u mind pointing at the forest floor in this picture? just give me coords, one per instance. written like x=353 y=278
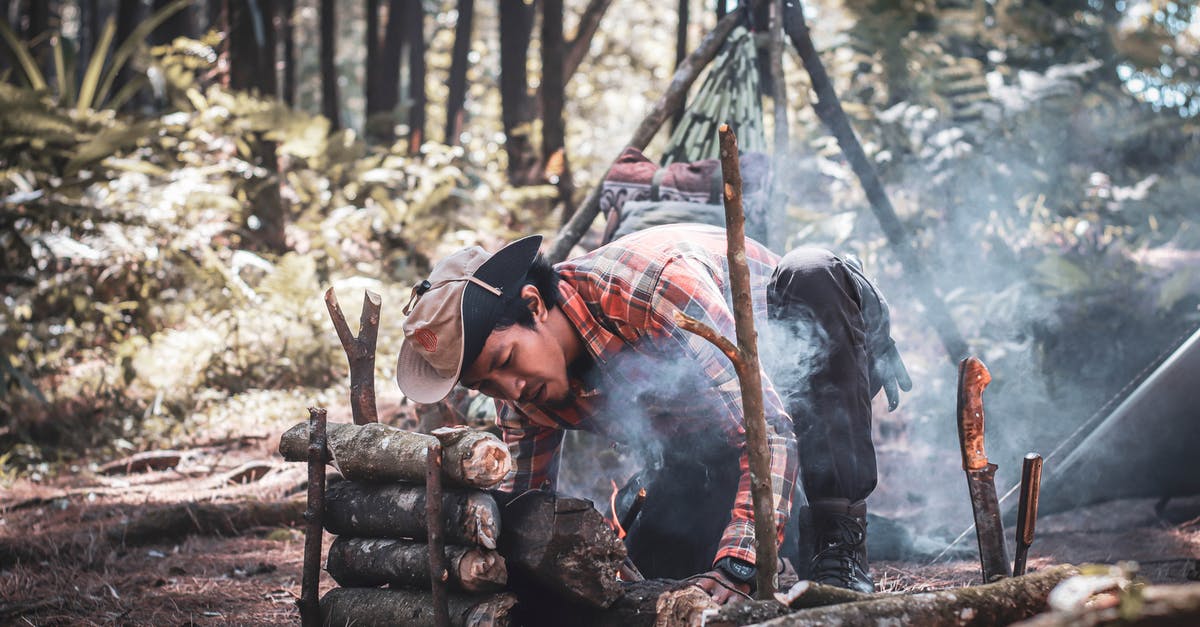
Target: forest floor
x=217 y=539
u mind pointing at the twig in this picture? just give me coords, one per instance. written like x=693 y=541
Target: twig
x=310 y=609
x=434 y=526
x=829 y=109
x=360 y=351
x=667 y=103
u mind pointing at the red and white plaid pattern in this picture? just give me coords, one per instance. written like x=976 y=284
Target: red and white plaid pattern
x=622 y=298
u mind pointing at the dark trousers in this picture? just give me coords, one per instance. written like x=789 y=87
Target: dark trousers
x=815 y=351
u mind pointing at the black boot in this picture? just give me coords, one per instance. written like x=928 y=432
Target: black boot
x=840 y=557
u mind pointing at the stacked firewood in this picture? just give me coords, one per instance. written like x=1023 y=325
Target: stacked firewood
x=378 y=511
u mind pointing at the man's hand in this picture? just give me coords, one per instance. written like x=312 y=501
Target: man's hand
x=720 y=588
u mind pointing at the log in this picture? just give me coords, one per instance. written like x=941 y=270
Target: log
x=166 y=523
x=1000 y=603
x=379 y=452
x=412 y=608
x=366 y=510
x=374 y=562
x=564 y=545
x=1177 y=604
x=803 y=595
x=142 y=462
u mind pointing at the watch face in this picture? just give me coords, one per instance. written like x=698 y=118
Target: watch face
x=745 y=571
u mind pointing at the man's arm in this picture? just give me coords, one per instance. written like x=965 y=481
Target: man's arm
x=689 y=287
x=535 y=451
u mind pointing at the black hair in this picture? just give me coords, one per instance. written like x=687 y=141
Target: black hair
x=515 y=310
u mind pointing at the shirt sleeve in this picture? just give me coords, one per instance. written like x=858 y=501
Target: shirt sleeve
x=535 y=451
x=688 y=286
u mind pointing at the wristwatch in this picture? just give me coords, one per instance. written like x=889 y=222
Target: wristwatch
x=737 y=570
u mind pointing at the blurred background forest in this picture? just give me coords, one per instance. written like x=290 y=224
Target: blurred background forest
x=180 y=181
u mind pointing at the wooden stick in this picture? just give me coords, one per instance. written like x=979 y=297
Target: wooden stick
x=434 y=524
x=673 y=98
x=360 y=351
x=309 y=602
x=778 y=204
x=829 y=109
x=745 y=362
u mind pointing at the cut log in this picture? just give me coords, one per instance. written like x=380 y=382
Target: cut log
x=806 y=594
x=1000 y=603
x=564 y=545
x=379 y=510
x=684 y=607
x=378 y=452
x=412 y=608
x=373 y=562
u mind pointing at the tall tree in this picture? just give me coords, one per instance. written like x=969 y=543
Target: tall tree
x=329 y=87
x=517 y=111
x=373 y=78
x=681 y=41
x=252 y=46
x=387 y=80
x=554 y=153
x=415 y=21
x=129 y=14
x=458 y=71
x=287 y=32
x=180 y=24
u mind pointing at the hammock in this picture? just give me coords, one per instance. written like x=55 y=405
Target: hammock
x=730 y=95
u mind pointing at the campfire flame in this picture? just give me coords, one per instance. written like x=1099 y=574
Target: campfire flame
x=615 y=522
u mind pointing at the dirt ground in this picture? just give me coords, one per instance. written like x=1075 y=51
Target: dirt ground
x=92 y=549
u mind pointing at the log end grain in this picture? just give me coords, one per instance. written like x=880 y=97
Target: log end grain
x=487 y=462
x=482 y=571
x=482 y=519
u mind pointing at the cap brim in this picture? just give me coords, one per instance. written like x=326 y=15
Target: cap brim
x=418 y=379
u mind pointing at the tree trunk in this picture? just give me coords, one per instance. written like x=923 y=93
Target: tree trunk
x=681 y=38
x=89 y=27
x=168 y=523
x=252 y=51
x=129 y=15
x=373 y=83
x=414 y=20
x=395 y=510
x=379 y=452
x=458 y=71
x=556 y=164
x=373 y=562
x=180 y=24
x=563 y=545
x=287 y=32
x=372 y=606
x=330 y=106
x=388 y=77
x=517 y=112
x=1001 y=603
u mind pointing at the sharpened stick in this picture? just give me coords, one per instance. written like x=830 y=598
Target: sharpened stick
x=1031 y=483
x=360 y=351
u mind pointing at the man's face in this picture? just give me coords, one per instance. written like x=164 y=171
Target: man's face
x=518 y=363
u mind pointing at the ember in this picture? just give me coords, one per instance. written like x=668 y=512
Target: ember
x=615 y=521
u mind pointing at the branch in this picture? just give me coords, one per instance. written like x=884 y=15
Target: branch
x=829 y=109
x=310 y=611
x=360 y=352
x=672 y=99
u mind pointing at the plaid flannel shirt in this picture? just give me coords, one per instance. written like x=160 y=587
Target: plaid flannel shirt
x=621 y=298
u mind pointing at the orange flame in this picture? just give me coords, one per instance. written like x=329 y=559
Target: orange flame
x=615 y=523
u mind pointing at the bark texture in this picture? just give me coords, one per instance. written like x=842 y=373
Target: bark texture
x=1000 y=603
x=366 y=510
x=374 y=562
x=381 y=453
x=564 y=545
x=1159 y=605
x=372 y=606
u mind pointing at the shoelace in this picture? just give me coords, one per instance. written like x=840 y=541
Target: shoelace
x=839 y=559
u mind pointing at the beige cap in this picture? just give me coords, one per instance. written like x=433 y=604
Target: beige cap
x=451 y=314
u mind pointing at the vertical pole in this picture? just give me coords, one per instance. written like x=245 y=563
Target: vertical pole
x=681 y=40
x=310 y=606
x=777 y=205
x=753 y=417
x=434 y=523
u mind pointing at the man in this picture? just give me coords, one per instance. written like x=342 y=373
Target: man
x=592 y=344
